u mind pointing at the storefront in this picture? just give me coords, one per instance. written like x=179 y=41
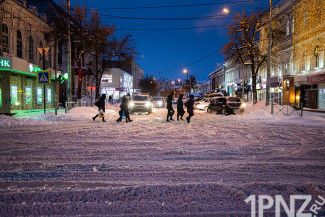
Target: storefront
x=317 y=82
x=276 y=90
x=19 y=89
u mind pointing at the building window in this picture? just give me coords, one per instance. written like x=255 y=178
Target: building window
x=49 y=95
x=41 y=46
x=14 y=95
x=31 y=48
x=293 y=25
x=5 y=38
x=286 y=68
x=39 y=95
x=28 y=93
x=49 y=56
x=317 y=61
x=19 y=45
x=288 y=27
x=303 y=65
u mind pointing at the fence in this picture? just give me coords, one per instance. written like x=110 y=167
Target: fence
x=287 y=109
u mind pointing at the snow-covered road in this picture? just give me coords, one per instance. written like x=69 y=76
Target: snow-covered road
x=207 y=167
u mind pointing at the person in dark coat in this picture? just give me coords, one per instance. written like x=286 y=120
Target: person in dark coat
x=171 y=111
x=190 y=108
x=125 y=108
x=100 y=103
x=110 y=98
x=180 y=109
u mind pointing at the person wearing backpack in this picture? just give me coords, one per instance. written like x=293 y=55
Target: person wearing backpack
x=100 y=103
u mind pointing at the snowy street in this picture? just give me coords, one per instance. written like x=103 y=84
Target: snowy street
x=74 y=166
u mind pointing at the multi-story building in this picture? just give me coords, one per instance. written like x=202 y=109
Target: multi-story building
x=309 y=54
x=217 y=79
x=116 y=83
x=204 y=87
x=23 y=31
x=131 y=67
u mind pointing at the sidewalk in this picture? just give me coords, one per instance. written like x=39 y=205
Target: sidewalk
x=25 y=113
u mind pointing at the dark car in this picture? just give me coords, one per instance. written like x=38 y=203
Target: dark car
x=226 y=105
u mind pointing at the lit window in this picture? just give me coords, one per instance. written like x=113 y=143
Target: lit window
x=288 y=27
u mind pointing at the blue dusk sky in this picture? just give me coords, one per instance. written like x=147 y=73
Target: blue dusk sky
x=167 y=46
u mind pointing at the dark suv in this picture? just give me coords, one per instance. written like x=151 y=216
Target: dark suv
x=226 y=105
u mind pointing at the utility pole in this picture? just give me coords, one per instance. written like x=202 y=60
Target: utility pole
x=267 y=100
x=44 y=86
x=69 y=57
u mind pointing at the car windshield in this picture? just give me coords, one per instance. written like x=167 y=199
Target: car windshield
x=234 y=99
x=157 y=99
x=140 y=98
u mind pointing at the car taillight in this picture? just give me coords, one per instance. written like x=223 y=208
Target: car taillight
x=227 y=103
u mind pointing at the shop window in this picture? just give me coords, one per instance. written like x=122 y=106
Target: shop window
x=5 y=38
x=31 y=48
x=39 y=95
x=49 y=95
x=28 y=94
x=14 y=95
x=19 y=45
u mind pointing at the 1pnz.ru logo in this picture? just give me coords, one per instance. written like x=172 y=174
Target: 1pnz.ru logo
x=266 y=202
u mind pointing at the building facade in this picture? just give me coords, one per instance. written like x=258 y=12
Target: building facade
x=217 y=79
x=23 y=31
x=116 y=83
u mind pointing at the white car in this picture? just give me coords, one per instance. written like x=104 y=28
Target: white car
x=202 y=104
x=141 y=103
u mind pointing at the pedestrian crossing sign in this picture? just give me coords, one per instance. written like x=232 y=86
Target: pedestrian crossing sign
x=44 y=77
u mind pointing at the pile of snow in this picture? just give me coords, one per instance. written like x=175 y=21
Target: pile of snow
x=8 y=121
x=259 y=112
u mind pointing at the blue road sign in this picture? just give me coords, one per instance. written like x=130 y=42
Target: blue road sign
x=44 y=77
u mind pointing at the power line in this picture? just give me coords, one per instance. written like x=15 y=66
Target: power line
x=177 y=28
x=176 y=6
x=166 y=18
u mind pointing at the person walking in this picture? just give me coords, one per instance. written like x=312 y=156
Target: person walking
x=125 y=108
x=110 y=98
x=100 y=103
x=171 y=111
x=180 y=109
x=190 y=108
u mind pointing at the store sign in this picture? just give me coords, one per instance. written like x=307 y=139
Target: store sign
x=34 y=68
x=5 y=63
x=316 y=79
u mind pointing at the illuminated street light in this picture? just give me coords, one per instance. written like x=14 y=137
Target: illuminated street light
x=226 y=10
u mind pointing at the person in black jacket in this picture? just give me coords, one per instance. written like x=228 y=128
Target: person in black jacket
x=190 y=108
x=125 y=107
x=180 y=109
x=100 y=103
x=171 y=111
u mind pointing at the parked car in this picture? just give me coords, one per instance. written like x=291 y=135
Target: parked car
x=226 y=105
x=158 y=102
x=202 y=104
x=141 y=103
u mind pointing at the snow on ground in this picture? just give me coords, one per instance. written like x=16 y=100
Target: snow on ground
x=70 y=165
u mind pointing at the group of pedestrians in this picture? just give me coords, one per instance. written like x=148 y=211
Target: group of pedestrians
x=180 y=107
x=124 y=108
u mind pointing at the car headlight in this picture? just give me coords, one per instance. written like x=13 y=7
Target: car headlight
x=243 y=105
x=147 y=104
x=160 y=103
x=131 y=104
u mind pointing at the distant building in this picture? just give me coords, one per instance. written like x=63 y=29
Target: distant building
x=131 y=67
x=217 y=79
x=116 y=83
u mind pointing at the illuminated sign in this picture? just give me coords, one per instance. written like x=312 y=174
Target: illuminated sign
x=34 y=68
x=5 y=63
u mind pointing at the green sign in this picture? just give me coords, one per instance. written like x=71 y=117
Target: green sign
x=34 y=68
x=28 y=95
x=5 y=63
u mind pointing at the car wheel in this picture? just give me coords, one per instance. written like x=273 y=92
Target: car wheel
x=223 y=111
x=205 y=108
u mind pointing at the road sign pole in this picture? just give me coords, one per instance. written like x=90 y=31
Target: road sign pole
x=44 y=84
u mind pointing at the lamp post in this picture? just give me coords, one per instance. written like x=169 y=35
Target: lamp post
x=185 y=71
x=173 y=82
x=267 y=92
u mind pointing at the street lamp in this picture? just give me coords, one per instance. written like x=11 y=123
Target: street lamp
x=173 y=82
x=185 y=71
